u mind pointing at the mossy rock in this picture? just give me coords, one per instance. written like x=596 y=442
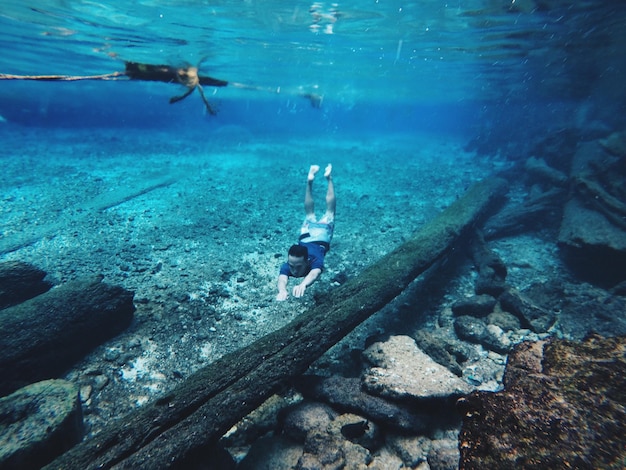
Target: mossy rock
x=38 y=423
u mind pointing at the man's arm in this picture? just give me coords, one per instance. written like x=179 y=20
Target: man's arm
x=298 y=291
x=282 y=287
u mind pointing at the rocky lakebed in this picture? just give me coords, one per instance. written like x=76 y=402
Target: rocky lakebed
x=129 y=265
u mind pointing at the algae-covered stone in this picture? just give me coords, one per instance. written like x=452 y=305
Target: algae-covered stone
x=563 y=406
x=38 y=423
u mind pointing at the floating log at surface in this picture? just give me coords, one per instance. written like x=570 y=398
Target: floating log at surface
x=20 y=281
x=44 y=336
x=168 y=432
x=187 y=76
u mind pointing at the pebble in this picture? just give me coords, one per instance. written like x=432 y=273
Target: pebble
x=111 y=354
x=85 y=393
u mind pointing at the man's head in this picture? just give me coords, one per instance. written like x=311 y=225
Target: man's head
x=298 y=260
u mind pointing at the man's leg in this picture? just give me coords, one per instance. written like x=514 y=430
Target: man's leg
x=309 y=206
x=330 y=192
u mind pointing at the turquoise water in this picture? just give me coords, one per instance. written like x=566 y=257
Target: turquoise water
x=194 y=212
x=379 y=65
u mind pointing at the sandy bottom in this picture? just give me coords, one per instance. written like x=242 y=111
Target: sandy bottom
x=198 y=227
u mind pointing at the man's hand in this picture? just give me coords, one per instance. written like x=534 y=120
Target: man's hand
x=298 y=291
x=282 y=288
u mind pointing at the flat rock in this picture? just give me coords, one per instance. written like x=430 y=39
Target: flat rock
x=400 y=370
x=583 y=308
x=592 y=245
x=563 y=406
x=592 y=236
x=583 y=228
x=38 y=423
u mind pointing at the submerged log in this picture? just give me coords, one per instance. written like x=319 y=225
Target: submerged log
x=534 y=213
x=44 y=336
x=596 y=197
x=491 y=269
x=541 y=170
x=20 y=281
x=168 y=432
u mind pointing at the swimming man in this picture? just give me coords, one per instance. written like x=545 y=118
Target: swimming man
x=306 y=259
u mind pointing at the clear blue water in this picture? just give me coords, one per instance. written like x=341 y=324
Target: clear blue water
x=381 y=66
x=175 y=204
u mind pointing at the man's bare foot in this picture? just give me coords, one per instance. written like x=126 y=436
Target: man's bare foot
x=312 y=171
x=327 y=171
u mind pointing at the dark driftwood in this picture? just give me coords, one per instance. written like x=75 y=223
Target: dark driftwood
x=540 y=169
x=19 y=282
x=491 y=269
x=44 y=336
x=166 y=432
x=595 y=196
x=531 y=214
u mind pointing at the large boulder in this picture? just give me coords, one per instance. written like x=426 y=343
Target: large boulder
x=402 y=389
x=592 y=244
x=563 y=406
x=592 y=235
x=38 y=423
x=44 y=336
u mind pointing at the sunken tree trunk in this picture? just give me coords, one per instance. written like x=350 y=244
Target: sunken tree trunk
x=169 y=431
x=19 y=282
x=43 y=337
